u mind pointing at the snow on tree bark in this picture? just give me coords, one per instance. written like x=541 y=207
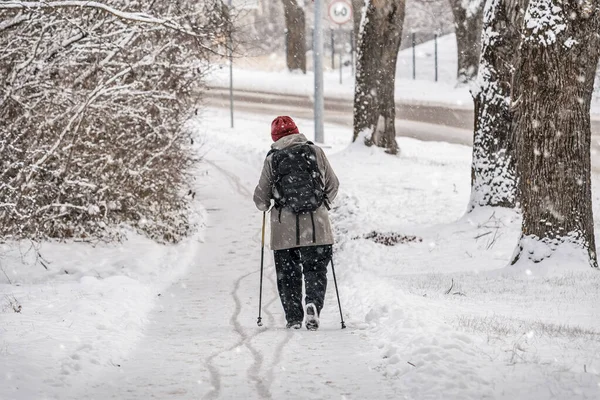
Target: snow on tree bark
x=357 y=13
x=93 y=105
x=468 y=21
x=552 y=93
x=295 y=22
x=378 y=46
x=493 y=175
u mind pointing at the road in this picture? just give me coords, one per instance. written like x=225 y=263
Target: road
x=421 y=121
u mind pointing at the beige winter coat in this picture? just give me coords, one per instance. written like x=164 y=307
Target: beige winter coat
x=283 y=232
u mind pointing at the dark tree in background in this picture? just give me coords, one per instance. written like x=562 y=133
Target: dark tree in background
x=357 y=7
x=378 y=45
x=295 y=22
x=553 y=88
x=468 y=20
x=493 y=175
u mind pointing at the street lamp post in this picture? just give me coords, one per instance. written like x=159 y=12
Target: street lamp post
x=230 y=66
x=318 y=70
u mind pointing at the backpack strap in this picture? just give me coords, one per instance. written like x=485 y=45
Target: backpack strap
x=297 y=230
x=312 y=219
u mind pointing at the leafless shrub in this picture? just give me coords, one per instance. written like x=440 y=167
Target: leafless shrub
x=12 y=304
x=93 y=100
x=390 y=238
x=455 y=293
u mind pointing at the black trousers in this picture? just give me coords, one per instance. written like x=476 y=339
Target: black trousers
x=290 y=264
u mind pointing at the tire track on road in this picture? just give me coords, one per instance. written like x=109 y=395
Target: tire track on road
x=277 y=358
x=245 y=339
x=252 y=371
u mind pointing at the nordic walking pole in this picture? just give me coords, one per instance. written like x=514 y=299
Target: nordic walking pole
x=338 y=294
x=262 y=259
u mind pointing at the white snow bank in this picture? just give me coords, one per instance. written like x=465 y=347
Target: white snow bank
x=261 y=76
x=445 y=325
x=83 y=313
x=284 y=82
x=543 y=258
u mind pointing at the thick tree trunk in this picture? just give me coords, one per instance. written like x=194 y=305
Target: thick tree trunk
x=553 y=89
x=468 y=20
x=378 y=45
x=357 y=7
x=493 y=175
x=295 y=22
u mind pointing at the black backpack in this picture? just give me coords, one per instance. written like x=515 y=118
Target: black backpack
x=297 y=182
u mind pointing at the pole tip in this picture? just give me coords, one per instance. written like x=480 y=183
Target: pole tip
x=259 y=322
x=343 y=325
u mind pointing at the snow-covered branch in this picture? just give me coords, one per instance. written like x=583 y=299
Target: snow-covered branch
x=32 y=5
x=135 y=17
x=16 y=20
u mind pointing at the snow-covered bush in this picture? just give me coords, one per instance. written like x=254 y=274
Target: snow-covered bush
x=93 y=101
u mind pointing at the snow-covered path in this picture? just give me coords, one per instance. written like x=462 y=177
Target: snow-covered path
x=427 y=319
x=202 y=341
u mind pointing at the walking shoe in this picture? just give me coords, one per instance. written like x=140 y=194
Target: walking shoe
x=295 y=325
x=312 y=318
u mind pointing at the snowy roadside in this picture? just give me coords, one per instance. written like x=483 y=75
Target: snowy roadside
x=448 y=316
x=259 y=75
x=515 y=336
x=82 y=307
x=269 y=76
x=284 y=82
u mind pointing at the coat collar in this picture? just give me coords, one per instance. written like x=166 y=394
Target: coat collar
x=290 y=140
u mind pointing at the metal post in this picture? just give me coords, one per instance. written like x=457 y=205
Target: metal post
x=332 y=50
x=286 y=42
x=231 y=81
x=414 y=40
x=337 y=292
x=352 y=50
x=341 y=66
x=436 y=56
x=318 y=70
x=262 y=263
x=230 y=70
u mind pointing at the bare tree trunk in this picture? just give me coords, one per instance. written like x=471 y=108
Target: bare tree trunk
x=378 y=45
x=493 y=175
x=357 y=7
x=295 y=22
x=468 y=20
x=553 y=89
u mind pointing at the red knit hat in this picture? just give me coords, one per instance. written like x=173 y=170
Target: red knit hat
x=283 y=126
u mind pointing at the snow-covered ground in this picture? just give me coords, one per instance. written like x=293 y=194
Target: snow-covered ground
x=81 y=307
x=427 y=319
x=267 y=74
x=260 y=76
x=498 y=333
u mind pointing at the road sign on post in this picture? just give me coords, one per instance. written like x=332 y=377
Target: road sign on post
x=340 y=12
x=318 y=68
